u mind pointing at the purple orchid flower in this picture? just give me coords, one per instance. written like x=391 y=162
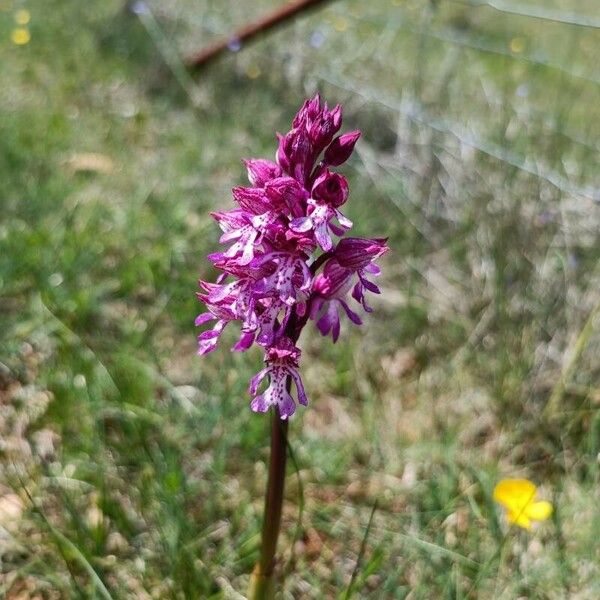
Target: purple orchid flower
x=348 y=268
x=329 y=191
x=273 y=281
x=282 y=365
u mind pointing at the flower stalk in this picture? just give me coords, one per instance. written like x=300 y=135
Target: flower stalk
x=251 y=31
x=262 y=580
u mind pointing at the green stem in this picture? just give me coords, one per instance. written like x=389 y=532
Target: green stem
x=262 y=579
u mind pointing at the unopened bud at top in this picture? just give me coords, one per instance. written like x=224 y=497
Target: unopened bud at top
x=341 y=148
x=357 y=253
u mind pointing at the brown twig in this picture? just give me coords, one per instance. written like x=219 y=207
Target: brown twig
x=251 y=31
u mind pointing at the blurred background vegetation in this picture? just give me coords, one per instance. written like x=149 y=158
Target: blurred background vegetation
x=131 y=468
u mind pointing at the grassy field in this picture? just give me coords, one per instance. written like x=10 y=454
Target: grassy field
x=132 y=468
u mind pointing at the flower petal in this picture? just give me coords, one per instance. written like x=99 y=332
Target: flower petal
x=260 y=404
x=351 y=314
x=255 y=381
x=300 y=387
x=301 y=224
x=203 y=318
x=538 y=511
x=244 y=342
x=287 y=406
x=514 y=494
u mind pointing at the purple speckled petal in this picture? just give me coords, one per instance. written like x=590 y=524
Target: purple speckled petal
x=301 y=224
x=255 y=381
x=287 y=406
x=323 y=238
x=260 y=404
x=299 y=387
x=207 y=341
x=203 y=318
x=245 y=341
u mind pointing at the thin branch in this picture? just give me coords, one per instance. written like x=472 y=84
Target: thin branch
x=251 y=31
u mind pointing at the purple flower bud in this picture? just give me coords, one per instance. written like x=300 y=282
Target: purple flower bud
x=294 y=155
x=261 y=171
x=331 y=188
x=357 y=253
x=301 y=115
x=281 y=155
x=324 y=127
x=341 y=148
x=313 y=107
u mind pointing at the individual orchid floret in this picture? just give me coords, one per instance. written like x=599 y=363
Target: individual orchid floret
x=329 y=191
x=352 y=261
x=225 y=303
x=221 y=312
x=359 y=254
x=273 y=316
x=291 y=278
x=282 y=366
x=320 y=221
x=330 y=289
x=239 y=228
x=207 y=340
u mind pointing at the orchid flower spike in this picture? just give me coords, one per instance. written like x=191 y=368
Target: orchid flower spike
x=284 y=265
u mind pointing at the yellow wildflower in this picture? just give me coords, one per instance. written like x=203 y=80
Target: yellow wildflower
x=517 y=496
x=20 y=36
